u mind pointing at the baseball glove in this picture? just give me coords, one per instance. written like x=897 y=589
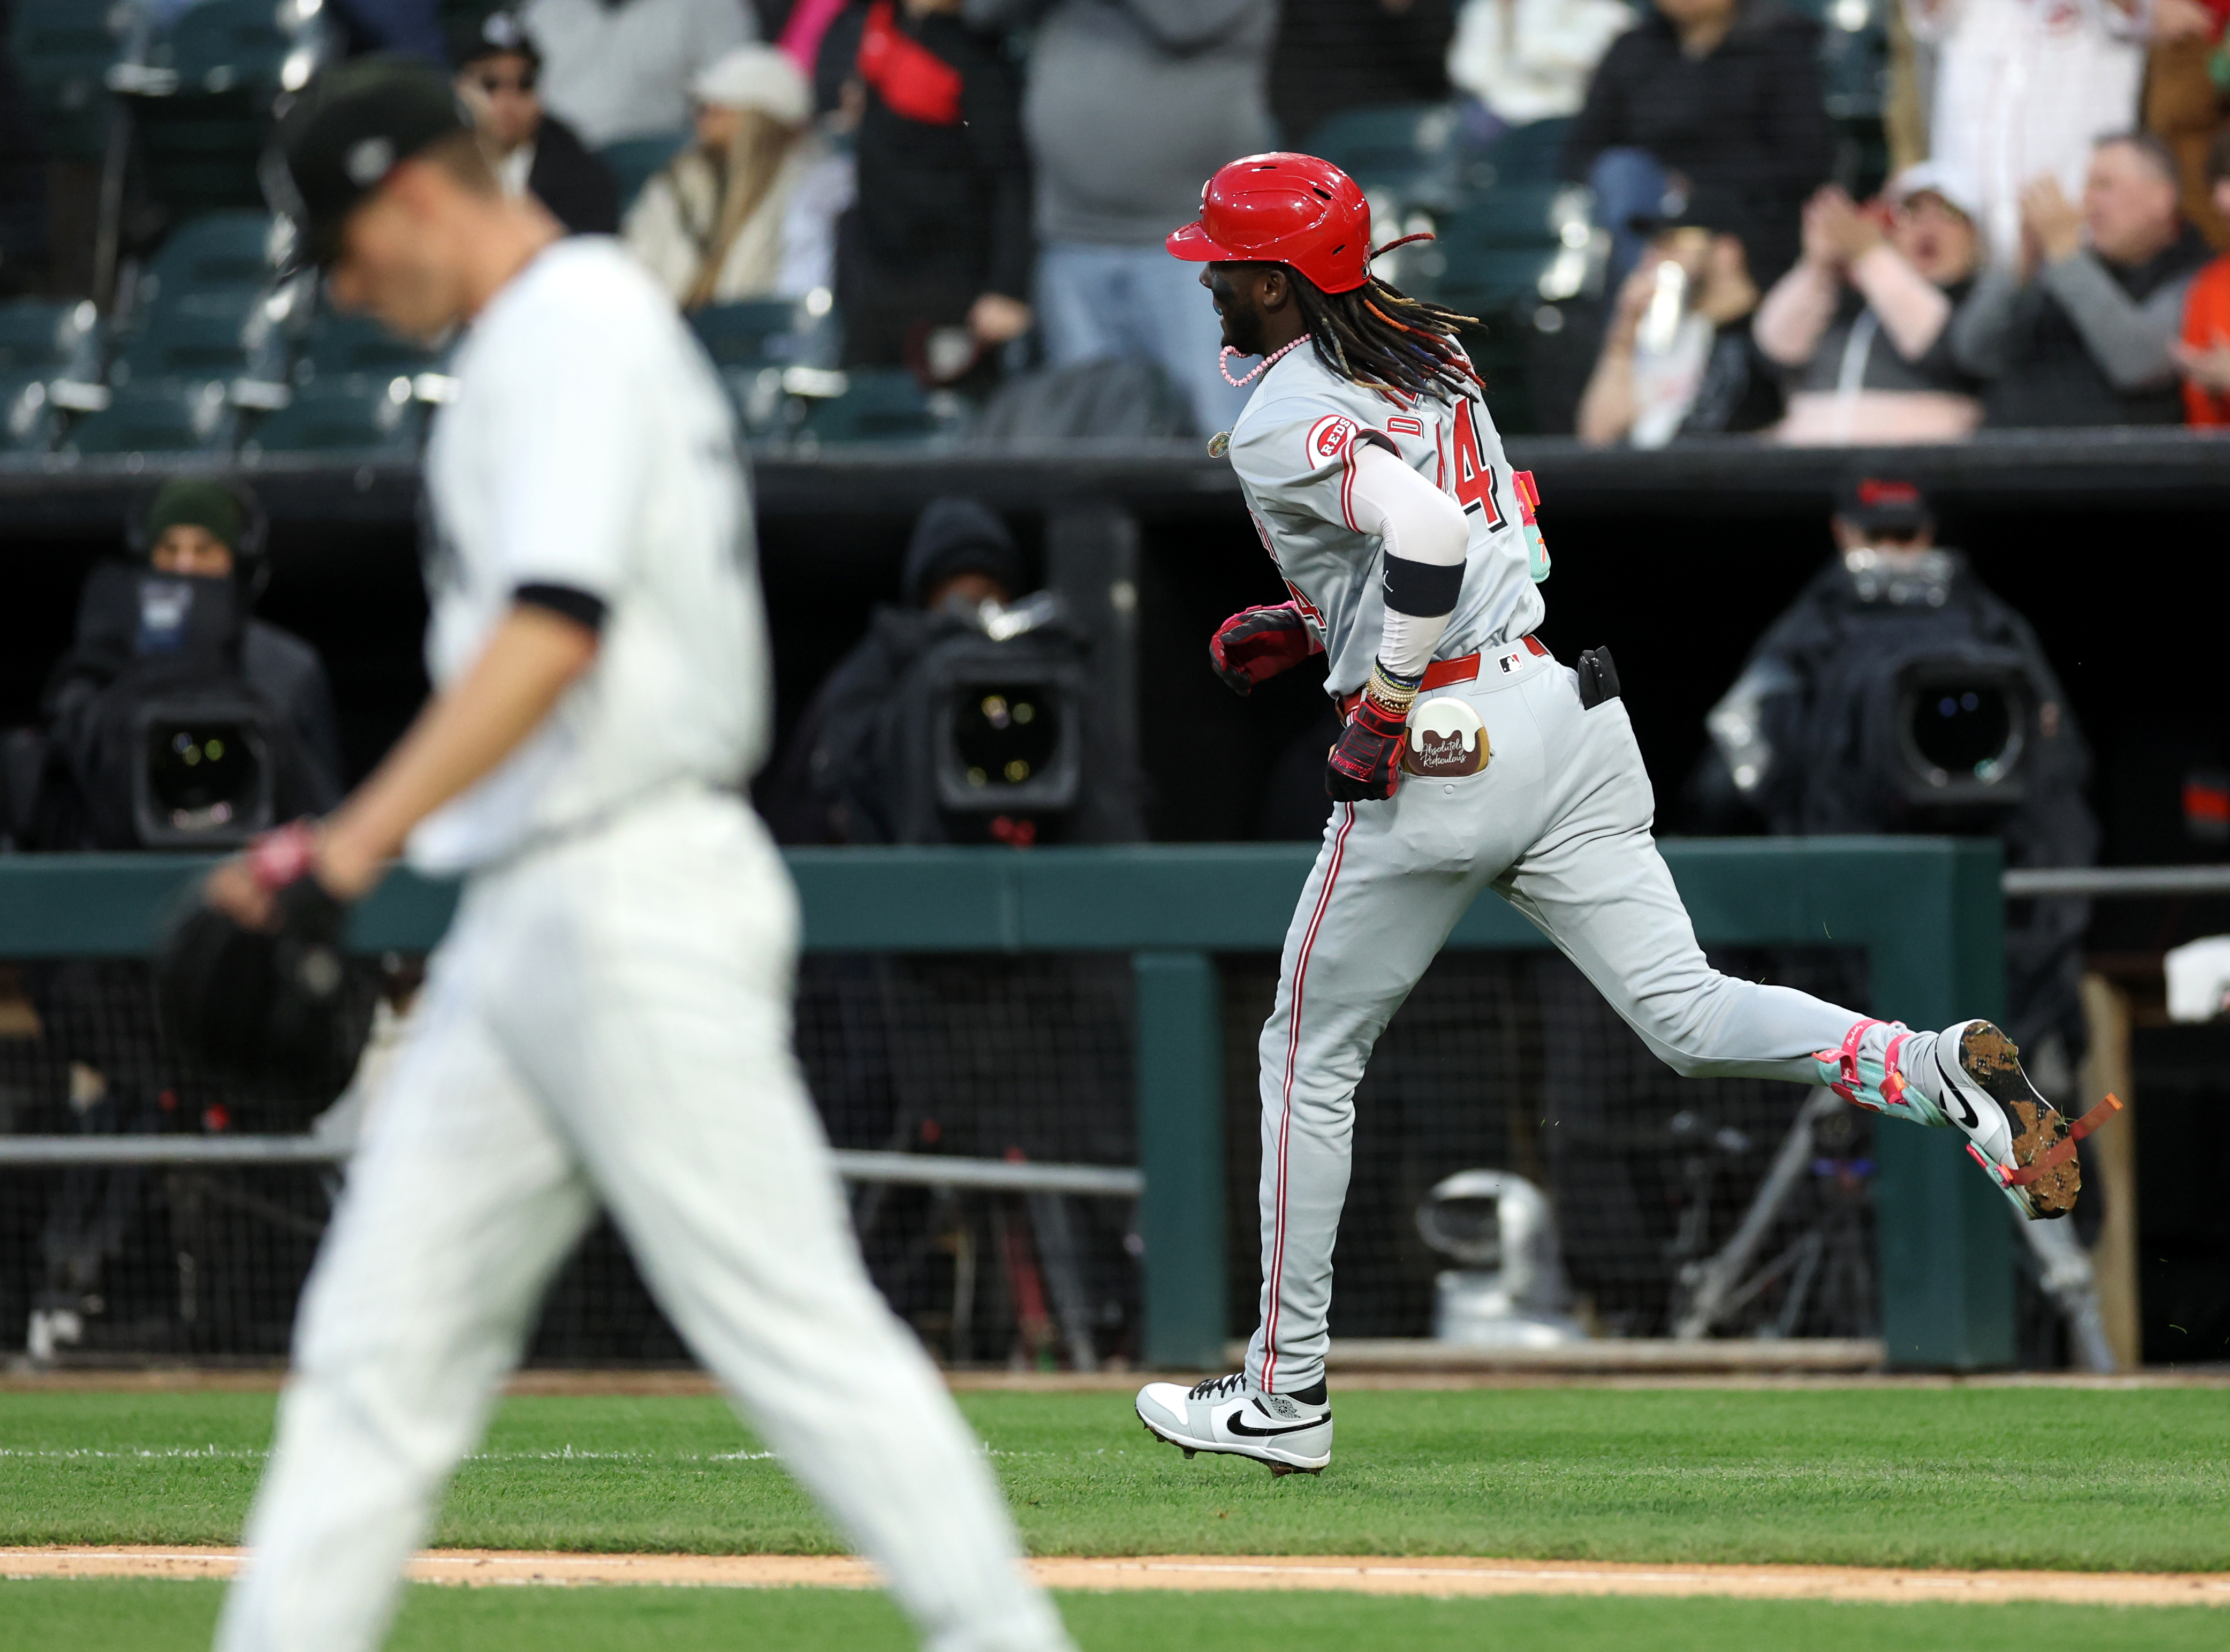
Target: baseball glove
x=265 y=1004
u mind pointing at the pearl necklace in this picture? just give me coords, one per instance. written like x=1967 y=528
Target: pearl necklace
x=1223 y=362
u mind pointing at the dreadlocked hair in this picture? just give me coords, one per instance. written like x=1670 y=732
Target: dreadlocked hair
x=1385 y=340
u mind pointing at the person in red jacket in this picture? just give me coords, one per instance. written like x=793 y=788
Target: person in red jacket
x=2202 y=356
x=933 y=260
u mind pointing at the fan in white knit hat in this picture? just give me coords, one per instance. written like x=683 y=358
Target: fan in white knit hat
x=756 y=77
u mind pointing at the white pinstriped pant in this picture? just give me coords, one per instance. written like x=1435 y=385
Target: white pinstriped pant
x=609 y=1022
x=1558 y=824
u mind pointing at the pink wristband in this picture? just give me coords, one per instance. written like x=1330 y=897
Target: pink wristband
x=284 y=854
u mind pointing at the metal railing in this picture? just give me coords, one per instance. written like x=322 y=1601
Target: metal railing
x=905 y=1170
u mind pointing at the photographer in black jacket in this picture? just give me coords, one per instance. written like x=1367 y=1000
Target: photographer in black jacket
x=1898 y=693
x=171 y=626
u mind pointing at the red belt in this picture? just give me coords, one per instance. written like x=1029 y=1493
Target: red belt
x=1442 y=673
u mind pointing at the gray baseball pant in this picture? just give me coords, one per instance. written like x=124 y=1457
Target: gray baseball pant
x=1558 y=824
x=609 y=1022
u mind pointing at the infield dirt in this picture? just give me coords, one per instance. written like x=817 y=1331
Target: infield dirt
x=1442 y=1578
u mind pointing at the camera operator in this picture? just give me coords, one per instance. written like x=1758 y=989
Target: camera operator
x=964 y=715
x=170 y=631
x=1899 y=695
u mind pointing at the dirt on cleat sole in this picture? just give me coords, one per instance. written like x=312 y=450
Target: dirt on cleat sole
x=1279 y=1470
x=1993 y=1060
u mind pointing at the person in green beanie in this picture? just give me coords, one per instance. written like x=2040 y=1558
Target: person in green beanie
x=196 y=528
x=193 y=527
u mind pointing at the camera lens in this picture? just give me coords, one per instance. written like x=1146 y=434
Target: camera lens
x=1005 y=732
x=203 y=777
x=1963 y=730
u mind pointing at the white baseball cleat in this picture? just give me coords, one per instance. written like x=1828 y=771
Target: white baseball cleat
x=1290 y=1432
x=2011 y=1131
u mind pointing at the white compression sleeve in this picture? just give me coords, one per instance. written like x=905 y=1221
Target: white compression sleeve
x=1426 y=537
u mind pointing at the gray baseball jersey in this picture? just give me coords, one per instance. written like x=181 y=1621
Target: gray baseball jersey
x=1557 y=823
x=1294 y=450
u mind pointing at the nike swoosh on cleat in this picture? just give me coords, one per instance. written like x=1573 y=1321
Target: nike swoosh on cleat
x=1967 y=1118
x=1238 y=1425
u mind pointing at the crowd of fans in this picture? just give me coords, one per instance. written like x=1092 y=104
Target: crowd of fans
x=2012 y=233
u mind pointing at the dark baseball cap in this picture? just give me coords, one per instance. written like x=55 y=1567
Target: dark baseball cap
x=344 y=135
x=487 y=31
x=1882 y=504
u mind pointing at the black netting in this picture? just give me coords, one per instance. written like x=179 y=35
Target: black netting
x=1507 y=1062
x=1511 y=1061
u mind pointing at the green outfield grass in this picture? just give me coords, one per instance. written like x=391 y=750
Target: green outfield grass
x=160 y=1617
x=1961 y=1477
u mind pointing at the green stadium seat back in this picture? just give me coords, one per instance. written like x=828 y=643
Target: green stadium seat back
x=62 y=49
x=1391 y=147
x=881 y=404
x=750 y=333
x=43 y=335
x=163 y=417
x=1514 y=215
x=26 y=419
x=339 y=346
x=351 y=413
x=218 y=45
x=1487 y=280
x=634 y=161
x=181 y=344
x=221 y=250
x=200 y=152
x=1533 y=153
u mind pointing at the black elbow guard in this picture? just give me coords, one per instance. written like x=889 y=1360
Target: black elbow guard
x=1427 y=589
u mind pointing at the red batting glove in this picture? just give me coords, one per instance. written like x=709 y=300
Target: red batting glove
x=1365 y=764
x=1255 y=646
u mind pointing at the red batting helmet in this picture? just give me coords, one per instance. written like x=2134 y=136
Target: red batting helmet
x=1283 y=209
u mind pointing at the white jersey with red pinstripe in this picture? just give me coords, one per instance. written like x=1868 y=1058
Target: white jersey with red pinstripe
x=1294 y=450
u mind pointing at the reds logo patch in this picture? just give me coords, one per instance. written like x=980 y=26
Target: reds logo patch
x=1328 y=438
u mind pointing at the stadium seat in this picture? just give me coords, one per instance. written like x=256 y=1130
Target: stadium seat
x=200 y=94
x=46 y=336
x=367 y=413
x=1406 y=150
x=1533 y=153
x=62 y=49
x=184 y=345
x=337 y=347
x=220 y=252
x=634 y=161
x=218 y=45
x=752 y=334
x=161 y=417
x=880 y=405
x=28 y=420
x=1854 y=55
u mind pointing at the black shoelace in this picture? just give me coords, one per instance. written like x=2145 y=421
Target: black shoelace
x=1219 y=1387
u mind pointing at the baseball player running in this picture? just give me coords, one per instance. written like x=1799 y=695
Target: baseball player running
x=1470 y=759
x=608 y=1021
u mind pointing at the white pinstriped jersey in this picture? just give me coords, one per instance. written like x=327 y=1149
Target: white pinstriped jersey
x=1294 y=448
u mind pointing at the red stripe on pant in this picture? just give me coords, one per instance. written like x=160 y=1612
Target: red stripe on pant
x=1286 y=1104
